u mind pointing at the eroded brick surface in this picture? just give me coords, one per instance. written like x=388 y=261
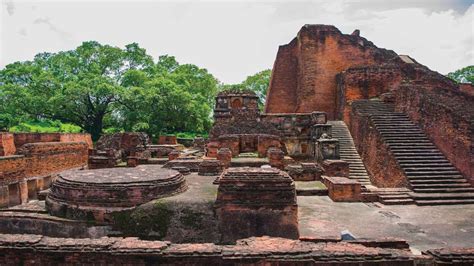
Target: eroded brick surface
x=17 y=249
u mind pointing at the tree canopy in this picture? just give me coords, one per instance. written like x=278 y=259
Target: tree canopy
x=102 y=88
x=463 y=75
x=257 y=83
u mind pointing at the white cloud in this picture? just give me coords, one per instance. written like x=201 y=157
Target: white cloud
x=236 y=39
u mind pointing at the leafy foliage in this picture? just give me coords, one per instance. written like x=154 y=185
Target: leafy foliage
x=463 y=75
x=257 y=83
x=99 y=86
x=45 y=126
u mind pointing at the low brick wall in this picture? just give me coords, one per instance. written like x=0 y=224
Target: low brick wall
x=342 y=189
x=50 y=157
x=25 y=138
x=77 y=137
x=12 y=169
x=37 y=249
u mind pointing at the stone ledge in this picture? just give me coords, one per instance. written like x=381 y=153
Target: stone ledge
x=254 y=250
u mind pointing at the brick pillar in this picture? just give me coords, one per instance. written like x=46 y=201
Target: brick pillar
x=23 y=191
x=224 y=155
x=132 y=161
x=4 y=196
x=275 y=157
x=173 y=155
x=211 y=149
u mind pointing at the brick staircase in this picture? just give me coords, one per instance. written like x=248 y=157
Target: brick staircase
x=349 y=153
x=433 y=179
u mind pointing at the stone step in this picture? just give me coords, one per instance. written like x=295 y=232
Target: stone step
x=412 y=157
x=394 y=196
x=422 y=161
x=443 y=190
x=434 y=196
x=438 y=181
x=427 y=164
x=441 y=185
x=431 y=177
x=407 y=201
x=444 y=202
x=411 y=147
x=428 y=169
x=429 y=173
x=406 y=141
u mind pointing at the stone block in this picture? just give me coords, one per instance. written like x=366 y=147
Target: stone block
x=4 y=196
x=327 y=149
x=319 y=117
x=173 y=155
x=32 y=188
x=336 y=168
x=224 y=155
x=255 y=202
x=23 y=189
x=319 y=129
x=265 y=142
x=171 y=140
x=304 y=171
x=276 y=158
x=231 y=142
x=342 y=189
x=212 y=148
x=132 y=161
x=210 y=167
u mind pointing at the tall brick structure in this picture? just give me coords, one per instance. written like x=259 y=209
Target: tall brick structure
x=322 y=69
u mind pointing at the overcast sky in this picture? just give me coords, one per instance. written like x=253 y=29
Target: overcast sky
x=236 y=39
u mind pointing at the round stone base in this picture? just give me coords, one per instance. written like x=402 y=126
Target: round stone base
x=99 y=194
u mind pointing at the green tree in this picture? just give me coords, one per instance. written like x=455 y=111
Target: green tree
x=257 y=83
x=99 y=86
x=79 y=86
x=463 y=75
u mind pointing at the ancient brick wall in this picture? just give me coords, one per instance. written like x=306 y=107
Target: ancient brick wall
x=77 y=137
x=467 y=88
x=7 y=144
x=24 y=138
x=446 y=115
x=49 y=157
x=283 y=82
x=304 y=73
x=364 y=83
x=380 y=163
x=12 y=169
x=42 y=250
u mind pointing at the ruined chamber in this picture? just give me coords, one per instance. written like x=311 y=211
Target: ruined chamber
x=98 y=194
x=256 y=202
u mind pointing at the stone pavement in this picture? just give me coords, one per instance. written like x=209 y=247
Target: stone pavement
x=425 y=227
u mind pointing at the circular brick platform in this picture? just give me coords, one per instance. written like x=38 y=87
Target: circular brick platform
x=98 y=194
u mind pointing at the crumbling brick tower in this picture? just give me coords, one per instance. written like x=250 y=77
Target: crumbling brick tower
x=322 y=69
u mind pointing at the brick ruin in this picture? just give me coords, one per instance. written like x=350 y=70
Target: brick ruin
x=418 y=137
x=31 y=161
x=343 y=119
x=240 y=127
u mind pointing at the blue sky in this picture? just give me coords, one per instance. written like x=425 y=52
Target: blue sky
x=234 y=39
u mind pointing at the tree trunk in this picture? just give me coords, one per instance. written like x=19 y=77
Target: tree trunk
x=95 y=127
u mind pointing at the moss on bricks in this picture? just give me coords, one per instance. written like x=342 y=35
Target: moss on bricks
x=147 y=222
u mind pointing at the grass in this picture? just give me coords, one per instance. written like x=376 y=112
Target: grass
x=45 y=126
